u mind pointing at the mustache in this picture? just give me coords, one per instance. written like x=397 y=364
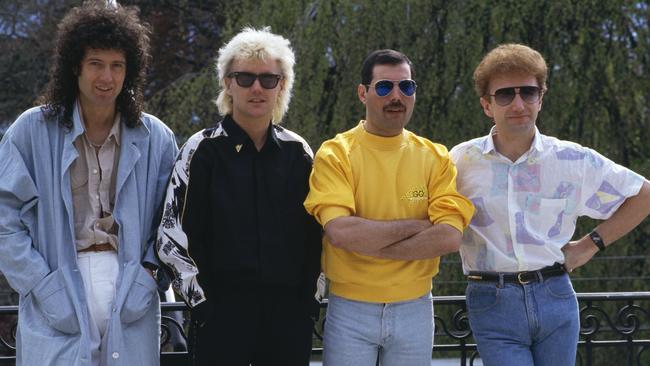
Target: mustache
x=395 y=104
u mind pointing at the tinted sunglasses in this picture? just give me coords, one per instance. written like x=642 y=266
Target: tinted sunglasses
x=384 y=87
x=246 y=79
x=505 y=96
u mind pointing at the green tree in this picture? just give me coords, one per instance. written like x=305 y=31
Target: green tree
x=598 y=54
x=25 y=45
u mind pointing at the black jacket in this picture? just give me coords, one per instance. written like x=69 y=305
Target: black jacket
x=237 y=214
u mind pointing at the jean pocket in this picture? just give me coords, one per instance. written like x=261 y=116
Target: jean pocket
x=481 y=297
x=559 y=287
x=138 y=300
x=55 y=304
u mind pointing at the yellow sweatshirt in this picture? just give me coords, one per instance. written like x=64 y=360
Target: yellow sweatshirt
x=383 y=178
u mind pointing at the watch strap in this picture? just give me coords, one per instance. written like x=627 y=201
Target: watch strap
x=597 y=239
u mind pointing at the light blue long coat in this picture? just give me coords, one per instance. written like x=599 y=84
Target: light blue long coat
x=37 y=249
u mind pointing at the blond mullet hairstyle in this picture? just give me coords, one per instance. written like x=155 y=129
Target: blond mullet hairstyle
x=262 y=45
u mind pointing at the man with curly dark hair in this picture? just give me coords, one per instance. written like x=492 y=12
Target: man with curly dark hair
x=82 y=176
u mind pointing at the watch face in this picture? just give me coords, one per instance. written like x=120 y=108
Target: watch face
x=597 y=239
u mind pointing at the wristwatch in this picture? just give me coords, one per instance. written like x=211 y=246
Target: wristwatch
x=595 y=237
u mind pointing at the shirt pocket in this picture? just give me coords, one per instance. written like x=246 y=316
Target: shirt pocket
x=78 y=176
x=544 y=216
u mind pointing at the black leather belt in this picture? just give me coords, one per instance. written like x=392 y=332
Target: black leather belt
x=521 y=278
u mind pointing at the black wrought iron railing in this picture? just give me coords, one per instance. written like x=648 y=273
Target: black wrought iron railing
x=615 y=330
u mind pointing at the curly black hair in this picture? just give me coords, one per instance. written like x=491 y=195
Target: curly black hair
x=97 y=25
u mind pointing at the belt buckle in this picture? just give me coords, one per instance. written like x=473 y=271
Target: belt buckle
x=521 y=280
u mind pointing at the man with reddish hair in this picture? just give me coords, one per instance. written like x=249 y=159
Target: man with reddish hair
x=528 y=190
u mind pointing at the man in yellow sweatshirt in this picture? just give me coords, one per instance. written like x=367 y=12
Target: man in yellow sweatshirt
x=387 y=200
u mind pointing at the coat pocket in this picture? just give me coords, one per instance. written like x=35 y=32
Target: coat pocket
x=55 y=303
x=138 y=300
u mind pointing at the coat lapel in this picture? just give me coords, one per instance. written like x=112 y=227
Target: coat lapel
x=68 y=156
x=132 y=139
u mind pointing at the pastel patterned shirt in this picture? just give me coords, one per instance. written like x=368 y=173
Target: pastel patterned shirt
x=526 y=210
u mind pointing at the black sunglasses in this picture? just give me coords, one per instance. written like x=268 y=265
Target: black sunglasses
x=246 y=79
x=384 y=87
x=505 y=96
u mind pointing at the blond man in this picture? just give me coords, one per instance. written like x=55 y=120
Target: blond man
x=234 y=204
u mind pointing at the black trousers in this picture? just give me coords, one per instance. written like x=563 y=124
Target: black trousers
x=268 y=326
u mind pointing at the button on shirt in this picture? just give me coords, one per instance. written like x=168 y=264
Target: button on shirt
x=526 y=210
x=93 y=177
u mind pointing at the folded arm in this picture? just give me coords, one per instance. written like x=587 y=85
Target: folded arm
x=436 y=241
x=358 y=234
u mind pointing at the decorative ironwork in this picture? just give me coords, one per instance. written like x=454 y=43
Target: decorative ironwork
x=627 y=330
x=630 y=325
x=619 y=321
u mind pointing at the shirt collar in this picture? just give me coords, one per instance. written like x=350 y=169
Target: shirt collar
x=488 y=144
x=115 y=131
x=381 y=142
x=537 y=141
x=240 y=137
x=272 y=136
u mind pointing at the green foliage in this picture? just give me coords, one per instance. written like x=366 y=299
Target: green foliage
x=598 y=54
x=187 y=105
x=598 y=89
x=186 y=35
x=25 y=43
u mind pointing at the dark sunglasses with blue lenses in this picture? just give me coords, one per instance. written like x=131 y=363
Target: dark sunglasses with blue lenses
x=246 y=79
x=384 y=87
x=505 y=96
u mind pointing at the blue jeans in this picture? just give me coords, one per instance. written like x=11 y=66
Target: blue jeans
x=358 y=333
x=535 y=324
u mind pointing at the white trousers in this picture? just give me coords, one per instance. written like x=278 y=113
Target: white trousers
x=99 y=272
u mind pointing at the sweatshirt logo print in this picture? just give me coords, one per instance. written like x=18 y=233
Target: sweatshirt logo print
x=416 y=194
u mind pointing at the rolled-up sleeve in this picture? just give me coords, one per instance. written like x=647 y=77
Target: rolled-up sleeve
x=330 y=189
x=446 y=205
x=605 y=186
